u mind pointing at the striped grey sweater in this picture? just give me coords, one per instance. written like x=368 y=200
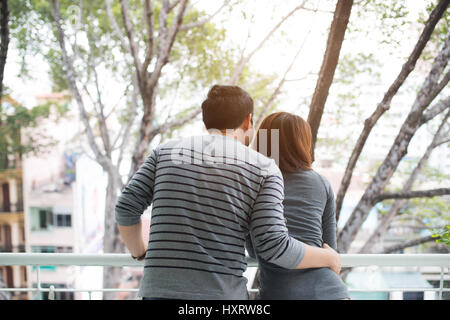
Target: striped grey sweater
x=208 y=195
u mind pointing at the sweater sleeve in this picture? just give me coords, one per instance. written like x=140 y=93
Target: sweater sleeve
x=329 y=220
x=268 y=229
x=137 y=194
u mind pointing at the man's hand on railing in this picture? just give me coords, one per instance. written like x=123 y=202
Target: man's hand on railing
x=335 y=259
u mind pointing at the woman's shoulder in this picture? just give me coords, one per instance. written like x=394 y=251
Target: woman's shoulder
x=306 y=177
x=320 y=179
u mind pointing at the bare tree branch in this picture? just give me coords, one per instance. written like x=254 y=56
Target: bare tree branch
x=434 y=111
x=398 y=204
x=302 y=78
x=177 y=122
x=412 y=194
x=176 y=25
x=410 y=243
x=115 y=27
x=104 y=134
x=237 y=72
x=68 y=64
x=277 y=91
x=446 y=140
x=174 y=4
x=385 y=103
x=134 y=49
x=129 y=123
x=397 y=151
x=203 y=21
x=148 y=10
x=166 y=40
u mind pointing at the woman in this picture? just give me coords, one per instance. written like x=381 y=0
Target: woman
x=309 y=211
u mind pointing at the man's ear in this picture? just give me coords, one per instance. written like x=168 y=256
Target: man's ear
x=248 y=123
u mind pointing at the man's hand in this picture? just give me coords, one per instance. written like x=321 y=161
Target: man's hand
x=335 y=259
x=324 y=257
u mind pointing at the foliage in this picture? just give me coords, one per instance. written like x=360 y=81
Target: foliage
x=443 y=234
x=386 y=17
x=14 y=117
x=442 y=30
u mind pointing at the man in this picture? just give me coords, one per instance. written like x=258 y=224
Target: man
x=209 y=194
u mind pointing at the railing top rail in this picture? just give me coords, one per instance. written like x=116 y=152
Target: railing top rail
x=112 y=259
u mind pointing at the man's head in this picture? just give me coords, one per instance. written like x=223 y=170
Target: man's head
x=228 y=108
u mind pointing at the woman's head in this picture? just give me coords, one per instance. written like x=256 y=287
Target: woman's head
x=294 y=145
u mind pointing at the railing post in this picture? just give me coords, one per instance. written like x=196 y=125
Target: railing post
x=51 y=293
x=441 y=283
x=38 y=273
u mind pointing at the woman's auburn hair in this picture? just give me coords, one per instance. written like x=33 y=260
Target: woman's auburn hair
x=295 y=140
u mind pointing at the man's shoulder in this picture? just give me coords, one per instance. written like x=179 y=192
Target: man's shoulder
x=229 y=149
x=266 y=165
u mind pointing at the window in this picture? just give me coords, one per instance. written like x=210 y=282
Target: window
x=51 y=249
x=43 y=249
x=413 y=295
x=64 y=249
x=45 y=218
x=63 y=220
x=41 y=218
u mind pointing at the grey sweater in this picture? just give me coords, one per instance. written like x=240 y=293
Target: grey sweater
x=310 y=217
x=208 y=194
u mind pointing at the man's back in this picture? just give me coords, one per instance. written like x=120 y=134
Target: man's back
x=208 y=193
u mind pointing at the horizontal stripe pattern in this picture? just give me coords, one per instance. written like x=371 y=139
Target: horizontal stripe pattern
x=204 y=205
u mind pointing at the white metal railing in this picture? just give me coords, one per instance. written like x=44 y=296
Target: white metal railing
x=123 y=260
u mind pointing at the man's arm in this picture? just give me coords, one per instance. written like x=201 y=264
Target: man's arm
x=270 y=235
x=134 y=200
x=132 y=236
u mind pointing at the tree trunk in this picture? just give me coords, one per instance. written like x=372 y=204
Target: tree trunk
x=145 y=131
x=112 y=243
x=329 y=64
x=384 y=105
x=4 y=37
x=111 y=240
x=397 y=151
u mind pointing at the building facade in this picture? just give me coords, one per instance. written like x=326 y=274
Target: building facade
x=12 y=222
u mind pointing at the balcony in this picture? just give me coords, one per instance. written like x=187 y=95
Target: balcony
x=12 y=170
x=11 y=248
x=8 y=208
x=440 y=262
